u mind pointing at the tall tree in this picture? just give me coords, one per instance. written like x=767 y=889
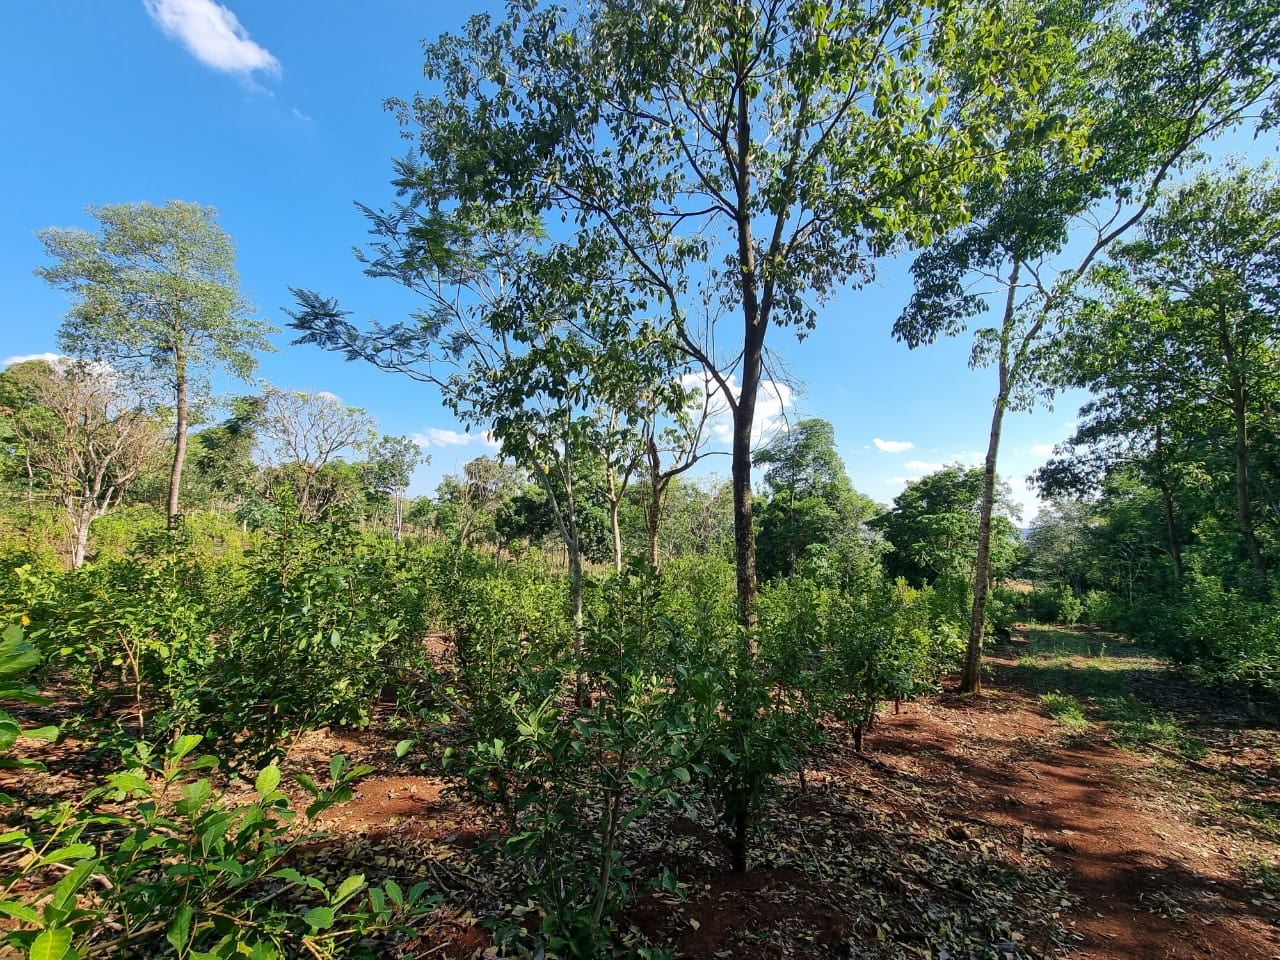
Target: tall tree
x=811 y=501
x=87 y=431
x=1154 y=86
x=757 y=154
x=1199 y=288
x=933 y=527
x=306 y=431
x=156 y=285
x=391 y=463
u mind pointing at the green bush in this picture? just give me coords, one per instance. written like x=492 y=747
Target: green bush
x=1005 y=607
x=184 y=871
x=1056 y=604
x=1100 y=609
x=572 y=779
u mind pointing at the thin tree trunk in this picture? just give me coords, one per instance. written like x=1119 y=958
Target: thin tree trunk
x=81 y=520
x=615 y=528
x=755 y=322
x=1239 y=411
x=1171 y=530
x=180 y=442
x=971 y=678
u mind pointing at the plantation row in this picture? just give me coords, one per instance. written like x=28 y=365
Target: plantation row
x=191 y=640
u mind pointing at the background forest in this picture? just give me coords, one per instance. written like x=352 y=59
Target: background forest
x=604 y=213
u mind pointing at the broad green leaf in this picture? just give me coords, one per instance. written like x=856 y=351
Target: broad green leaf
x=350 y=886
x=179 y=932
x=268 y=780
x=319 y=918
x=53 y=944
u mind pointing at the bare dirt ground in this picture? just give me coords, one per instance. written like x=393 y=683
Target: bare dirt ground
x=970 y=827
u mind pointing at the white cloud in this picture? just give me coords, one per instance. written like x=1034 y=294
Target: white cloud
x=213 y=35
x=922 y=466
x=298 y=114
x=24 y=357
x=893 y=446
x=773 y=403
x=967 y=456
x=436 y=437
x=1042 y=449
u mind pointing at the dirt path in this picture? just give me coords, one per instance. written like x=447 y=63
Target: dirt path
x=1152 y=883
x=972 y=828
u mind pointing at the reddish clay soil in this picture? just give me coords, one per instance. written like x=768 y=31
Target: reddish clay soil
x=970 y=827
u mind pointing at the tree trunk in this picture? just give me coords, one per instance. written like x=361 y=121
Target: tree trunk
x=1240 y=428
x=81 y=515
x=179 y=440
x=971 y=678
x=653 y=511
x=1171 y=530
x=1243 y=508
x=755 y=322
x=615 y=528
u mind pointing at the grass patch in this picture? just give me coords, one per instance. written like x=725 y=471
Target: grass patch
x=1079 y=679
x=1066 y=709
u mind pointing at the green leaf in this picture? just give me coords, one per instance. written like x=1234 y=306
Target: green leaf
x=53 y=944
x=350 y=886
x=16 y=654
x=403 y=747
x=319 y=918
x=184 y=745
x=73 y=851
x=179 y=932
x=19 y=911
x=268 y=780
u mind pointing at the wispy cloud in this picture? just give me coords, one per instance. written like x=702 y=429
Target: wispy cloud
x=24 y=357
x=893 y=446
x=213 y=35
x=437 y=437
x=1042 y=449
x=299 y=115
x=923 y=466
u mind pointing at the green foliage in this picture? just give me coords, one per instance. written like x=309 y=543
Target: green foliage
x=185 y=870
x=813 y=512
x=933 y=528
x=136 y=634
x=324 y=619
x=1100 y=609
x=572 y=781
x=17 y=658
x=1227 y=636
x=1054 y=605
x=1067 y=710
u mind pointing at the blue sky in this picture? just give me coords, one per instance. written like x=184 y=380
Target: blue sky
x=271 y=113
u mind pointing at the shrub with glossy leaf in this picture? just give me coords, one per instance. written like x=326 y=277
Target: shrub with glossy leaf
x=187 y=873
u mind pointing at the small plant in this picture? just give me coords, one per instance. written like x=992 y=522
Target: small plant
x=1067 y=710
x=572 y=779
x=186 y=872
